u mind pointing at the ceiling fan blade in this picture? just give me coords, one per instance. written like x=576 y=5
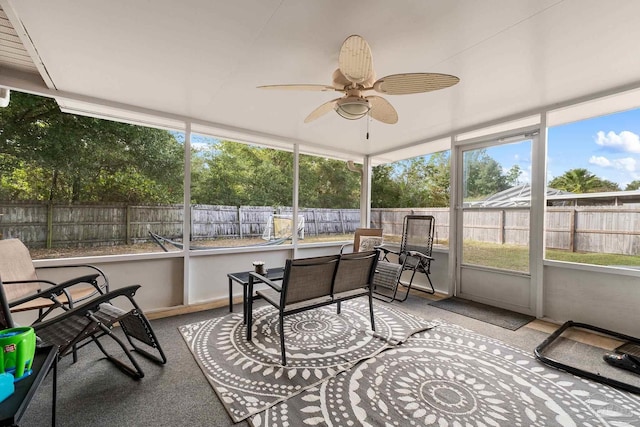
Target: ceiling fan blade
x=355 y=59
x=318 y=88
x=382 y=110
x=321 y=110
x=402 y=84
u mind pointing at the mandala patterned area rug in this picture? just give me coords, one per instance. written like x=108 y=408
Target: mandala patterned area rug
x=248 y=377
x=450 y=376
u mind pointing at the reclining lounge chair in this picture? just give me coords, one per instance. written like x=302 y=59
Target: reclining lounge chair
x=414 y=255
x=75 y=312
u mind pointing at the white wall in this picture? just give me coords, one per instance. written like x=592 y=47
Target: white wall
x=601 y=298
x=161 y=278
x=498 y=289
x=208 y=275
x=604 y=299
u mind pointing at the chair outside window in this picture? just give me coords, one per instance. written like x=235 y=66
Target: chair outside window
x=414 y=255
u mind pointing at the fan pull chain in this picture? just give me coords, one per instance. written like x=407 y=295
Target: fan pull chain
x=368 y=120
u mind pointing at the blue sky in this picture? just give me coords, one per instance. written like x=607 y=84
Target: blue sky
x=607 y=146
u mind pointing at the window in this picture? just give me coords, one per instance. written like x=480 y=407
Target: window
x=80 y=186
x=419 y=185
x=593 y=203
x=329 y=198
x=241 y=194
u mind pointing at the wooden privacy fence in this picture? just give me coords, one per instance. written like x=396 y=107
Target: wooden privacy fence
x=604 y=229
x=50 y=225
x=601 y=229
x=580 y=229
x=391 y=220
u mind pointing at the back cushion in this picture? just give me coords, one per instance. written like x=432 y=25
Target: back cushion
x=15 y=264
x=369 y=243
x=353 y=271
x=310 y=278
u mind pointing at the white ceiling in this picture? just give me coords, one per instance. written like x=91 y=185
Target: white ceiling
x=202 y=60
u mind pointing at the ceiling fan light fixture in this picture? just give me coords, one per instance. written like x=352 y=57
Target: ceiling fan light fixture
x=355 y=76
x=353 y=107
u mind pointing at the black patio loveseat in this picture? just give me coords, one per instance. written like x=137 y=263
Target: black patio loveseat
x=310 y=283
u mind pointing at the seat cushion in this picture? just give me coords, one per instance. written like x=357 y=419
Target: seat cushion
x=387 y=275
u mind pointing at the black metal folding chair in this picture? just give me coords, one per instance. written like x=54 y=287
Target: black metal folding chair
x=310 y=283
x=307 y=283
x=414 y=255
x=78 y=326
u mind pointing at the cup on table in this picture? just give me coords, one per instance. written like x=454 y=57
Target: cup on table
x=259 y=267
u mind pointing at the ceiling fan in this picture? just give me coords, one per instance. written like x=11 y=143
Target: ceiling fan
x=355 y=76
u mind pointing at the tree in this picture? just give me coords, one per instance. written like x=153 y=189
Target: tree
x=418 y=182
x=385 y=189
x=633 y=185
x=228 y=169
x=328 y=183
x=483 y=175
x=580 y=181
x=439 y=183
x=231 y=173
x=68 y=158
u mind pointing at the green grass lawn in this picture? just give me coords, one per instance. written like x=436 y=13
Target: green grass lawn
x=593 y=258
x=508 y=257
x=513 y=257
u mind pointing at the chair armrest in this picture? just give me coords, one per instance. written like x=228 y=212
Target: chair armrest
x=343 y=247
x=420 y=255
x=263 y=279
x=93 y=305
x=89 y=279
x=387 y=250
x=32 y=296
x=55 y=290
x=16 y=282
x=99 y=272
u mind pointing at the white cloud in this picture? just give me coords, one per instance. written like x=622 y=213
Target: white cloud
x=600 y=161
x=625 y=141
x=627 y=163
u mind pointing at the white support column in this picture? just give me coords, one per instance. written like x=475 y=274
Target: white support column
x=186 y=221
x=296 y=187
x=365 y=192
x=537 y=217
x=455 y=164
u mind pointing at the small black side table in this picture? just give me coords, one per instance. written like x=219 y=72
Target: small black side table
x=242 y=278
x=13 y=408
